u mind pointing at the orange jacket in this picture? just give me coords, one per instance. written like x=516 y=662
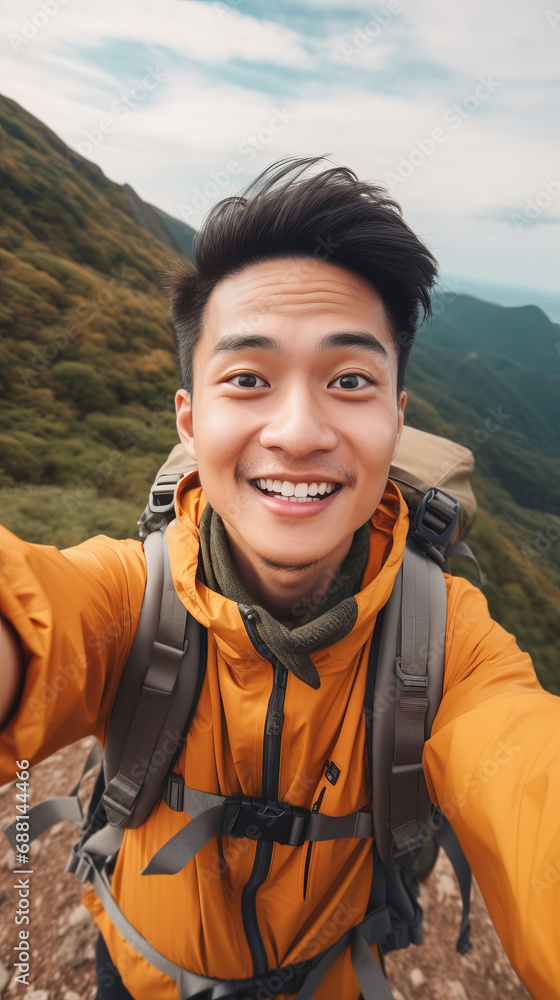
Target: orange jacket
x=492 y=763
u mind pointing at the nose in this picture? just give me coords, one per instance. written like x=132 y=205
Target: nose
x=299 y=423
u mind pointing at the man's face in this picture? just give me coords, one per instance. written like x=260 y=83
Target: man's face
x=295 y=417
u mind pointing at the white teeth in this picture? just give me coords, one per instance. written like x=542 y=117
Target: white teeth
x=295 y=491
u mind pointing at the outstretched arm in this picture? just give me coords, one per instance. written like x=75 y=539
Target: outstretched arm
x=72 y=618
x=493 y=766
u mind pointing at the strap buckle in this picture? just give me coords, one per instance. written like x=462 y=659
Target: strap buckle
x=80 y=865
x=437 y=515
x=410 y=680
x=119 y=799
x=162 y=492
x=258 y=819
x=174 y=791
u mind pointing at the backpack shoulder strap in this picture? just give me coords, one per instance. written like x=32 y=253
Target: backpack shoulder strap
x=406 y=696
x=157 y=695
x=403 y=693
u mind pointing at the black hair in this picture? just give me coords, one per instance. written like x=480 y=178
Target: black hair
x=329 y=215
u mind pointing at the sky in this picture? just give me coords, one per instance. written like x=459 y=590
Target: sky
x=454 y=107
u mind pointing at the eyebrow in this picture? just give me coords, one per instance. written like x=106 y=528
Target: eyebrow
x=355 y=338
x=241 y=342
x=345 y=338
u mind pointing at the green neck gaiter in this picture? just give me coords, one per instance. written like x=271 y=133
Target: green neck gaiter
x=327 y=615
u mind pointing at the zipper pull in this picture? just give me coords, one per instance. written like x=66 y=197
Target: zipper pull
x=317 y=805
x=332 y=772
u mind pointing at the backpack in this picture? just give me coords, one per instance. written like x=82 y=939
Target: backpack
x=157 y=698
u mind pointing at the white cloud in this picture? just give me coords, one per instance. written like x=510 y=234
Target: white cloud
x=510 y=38
x=193 y=30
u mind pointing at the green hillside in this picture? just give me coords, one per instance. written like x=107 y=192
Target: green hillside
x=88 y=376
x=87 y=363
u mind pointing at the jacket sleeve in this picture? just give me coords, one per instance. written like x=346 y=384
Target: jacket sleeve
x=76 y=613
x=492 y=764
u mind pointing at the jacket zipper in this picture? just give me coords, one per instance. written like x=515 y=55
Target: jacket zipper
x=315 y=808
x=270 y=775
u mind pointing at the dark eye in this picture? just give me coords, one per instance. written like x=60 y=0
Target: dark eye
x=248 y=381
x=350 y=382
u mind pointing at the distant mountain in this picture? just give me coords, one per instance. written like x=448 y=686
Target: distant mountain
x=474 y=356
x=175 y=235
x=506 y=295
x=88 y=376
x=151 y=220
x=184 y=235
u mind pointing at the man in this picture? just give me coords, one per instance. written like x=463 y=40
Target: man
x=293 y=332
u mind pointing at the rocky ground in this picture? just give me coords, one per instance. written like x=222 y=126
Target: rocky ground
x=63 y=934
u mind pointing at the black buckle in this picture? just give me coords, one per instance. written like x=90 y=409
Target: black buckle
x=261 y=820
x=174 y=791
x=437 y=515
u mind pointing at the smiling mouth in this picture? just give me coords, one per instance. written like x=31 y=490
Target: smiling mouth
x=279 y=489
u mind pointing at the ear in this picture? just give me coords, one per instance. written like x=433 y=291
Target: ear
x=400 y=417
x=183 y=409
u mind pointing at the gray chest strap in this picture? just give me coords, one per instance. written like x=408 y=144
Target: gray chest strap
x=240 y=816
